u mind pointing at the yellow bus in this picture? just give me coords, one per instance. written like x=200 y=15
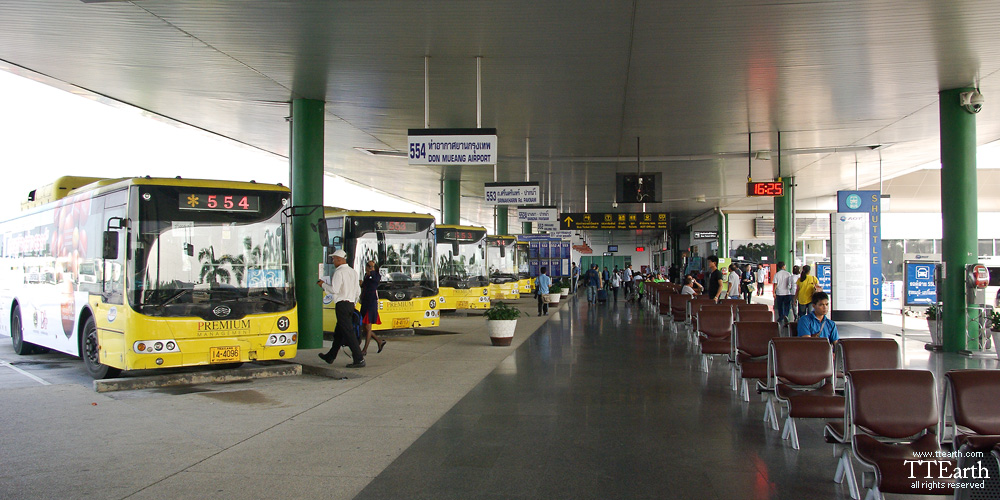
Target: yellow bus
x=525 y=283
x=403 y=246
x=141 y=273
x=500 y=254
x=462 y=278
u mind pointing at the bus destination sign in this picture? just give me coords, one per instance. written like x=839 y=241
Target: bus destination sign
x=395 y=226
x=219 y=202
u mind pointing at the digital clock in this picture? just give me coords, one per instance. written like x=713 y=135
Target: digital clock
x=770 y=188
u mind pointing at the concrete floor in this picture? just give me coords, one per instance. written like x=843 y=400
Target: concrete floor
x=599 y=402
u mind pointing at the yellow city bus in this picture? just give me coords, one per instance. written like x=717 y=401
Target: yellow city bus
x=462 y=271
x=500 y=254
x=142 y=273
x=525 y=283
x=403 y=246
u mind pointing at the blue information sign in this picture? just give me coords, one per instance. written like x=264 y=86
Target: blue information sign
x=823 y=275
x=919 y=289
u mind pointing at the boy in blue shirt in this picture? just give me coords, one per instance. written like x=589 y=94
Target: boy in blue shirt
x=815 y=323
x=542 y=284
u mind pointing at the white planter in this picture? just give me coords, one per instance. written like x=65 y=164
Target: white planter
x=996 y=338
x=552 y=298
x=501 y=331
x=564 y=292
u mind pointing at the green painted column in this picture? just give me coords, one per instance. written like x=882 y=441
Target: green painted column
x=307 y=189
x=721 y=235
x=451 y=201
x=525 y=228
x=784 y=238
x=502 y=220
x=958 y=216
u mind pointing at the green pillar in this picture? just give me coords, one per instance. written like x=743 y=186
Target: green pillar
x=451 y=201
x=307 y=189
x=525 y=228
x=958 y=216
x=721 y=235
x=502 y=220
x=784 y=238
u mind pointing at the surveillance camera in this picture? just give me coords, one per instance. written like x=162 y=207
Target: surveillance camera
x=971 y=101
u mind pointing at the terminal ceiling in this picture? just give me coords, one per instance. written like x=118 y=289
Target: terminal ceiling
x=582 y=79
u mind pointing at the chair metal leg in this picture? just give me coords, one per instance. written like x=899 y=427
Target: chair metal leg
x=770 y=413
x=790 y=432
x=745 y=391
x=704 y=363
x=874 y=494
x=734 y=379
x=852 y=480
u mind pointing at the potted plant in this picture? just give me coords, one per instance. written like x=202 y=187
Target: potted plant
x=501 y=320
x=555 y=291
x=932 y=313
x=564 y=288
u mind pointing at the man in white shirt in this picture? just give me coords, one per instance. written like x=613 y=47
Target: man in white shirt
x=784 y=292
x=627 y=281
x=761 y=278
x=345 y=290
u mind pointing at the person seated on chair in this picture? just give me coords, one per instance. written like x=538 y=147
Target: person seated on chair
x=816 y=323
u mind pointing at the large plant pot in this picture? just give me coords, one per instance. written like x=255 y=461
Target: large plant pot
x=552 y=298
x=564 y=292
x=996 y=339
x=932 y=325
x=501 y=331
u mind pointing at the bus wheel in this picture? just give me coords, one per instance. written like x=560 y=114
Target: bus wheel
x=17 y=334
x=91 y=358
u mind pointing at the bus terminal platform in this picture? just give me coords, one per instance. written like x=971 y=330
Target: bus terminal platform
x=591 y=401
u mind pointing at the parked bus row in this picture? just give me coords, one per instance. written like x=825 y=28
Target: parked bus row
x=142 y=273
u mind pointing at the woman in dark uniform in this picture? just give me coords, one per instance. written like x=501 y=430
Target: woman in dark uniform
x=369 y=304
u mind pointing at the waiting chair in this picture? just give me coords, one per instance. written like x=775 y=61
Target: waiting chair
x=751 y=341
x=714 y=330
x=893 y=420
x=971 y=411
x=804 y=375
x=755 y=315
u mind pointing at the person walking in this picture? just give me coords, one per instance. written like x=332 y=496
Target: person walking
x=627 y=282
x=606 y=278
x=746 y=283
x=593 y=280
x=734 y=281
x=804 y=290
x=345 y=290
x=715 y=278
x=784 y=290
x=615 y=282
x=761 y=278
x=574 y=278
x=369 y=305
x=542 y=283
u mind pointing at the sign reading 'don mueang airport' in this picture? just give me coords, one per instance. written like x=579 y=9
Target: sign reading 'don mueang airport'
x=452 y=146
x=512 y=193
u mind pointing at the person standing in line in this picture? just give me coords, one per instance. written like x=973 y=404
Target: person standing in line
x=784 y=288
x=615 y=282
x=761 y=278
x=734 y=281
x=796 y=271
x=345 y=290
x=606 y=278
x=715 y=278
x=627 y=282
x=804 y=290
x=574 y=278
x=369 y=305
x=542 y=283
x=593 y=280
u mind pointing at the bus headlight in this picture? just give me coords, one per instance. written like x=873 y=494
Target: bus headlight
x=155 y=346
x=433 y=304
x=276 y=339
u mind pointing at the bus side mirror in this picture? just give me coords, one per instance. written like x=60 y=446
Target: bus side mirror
x=503 y=251
x=454 y=248
x=324 y=233
x=110 y=245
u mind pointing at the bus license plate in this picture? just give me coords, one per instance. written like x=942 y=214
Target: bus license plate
x=223 y=354
x=401 y=323
x=462 y=304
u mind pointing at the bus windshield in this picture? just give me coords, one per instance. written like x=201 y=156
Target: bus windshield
x=186 y=260
x=502 y=268
x=405 y=254
x=465 y=269
x=522 y=261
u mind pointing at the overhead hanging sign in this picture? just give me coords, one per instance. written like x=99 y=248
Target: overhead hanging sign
x=512 y=193
x=547 y=226
x=537 y=214
x=452 y=146
x=611 y=221
x=706 y=235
